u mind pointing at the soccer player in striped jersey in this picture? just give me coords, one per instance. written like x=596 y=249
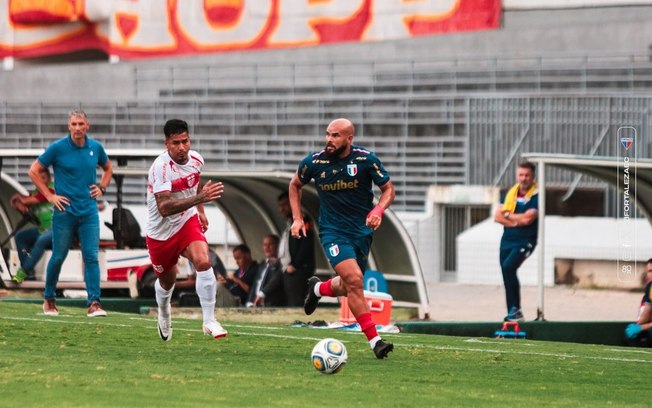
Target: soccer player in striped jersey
x=176 y=224
x=344 y=175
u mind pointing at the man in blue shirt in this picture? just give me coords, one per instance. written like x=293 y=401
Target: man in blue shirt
x=344 y=175
x=74 y=159
x=517 y=212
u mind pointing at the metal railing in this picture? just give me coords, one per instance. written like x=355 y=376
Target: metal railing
x=617 y=72
x=422 y=140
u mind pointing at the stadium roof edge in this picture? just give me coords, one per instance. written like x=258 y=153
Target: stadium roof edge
x=628 y=173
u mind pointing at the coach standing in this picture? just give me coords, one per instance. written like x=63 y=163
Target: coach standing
x=517 y=212
x=74 y=158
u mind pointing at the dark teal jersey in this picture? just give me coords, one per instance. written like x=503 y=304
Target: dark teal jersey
x=515 y=236
x=344 y=189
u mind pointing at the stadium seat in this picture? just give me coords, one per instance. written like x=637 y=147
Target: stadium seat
x=130 y=230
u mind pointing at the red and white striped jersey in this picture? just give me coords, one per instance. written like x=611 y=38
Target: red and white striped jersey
x=180 y=179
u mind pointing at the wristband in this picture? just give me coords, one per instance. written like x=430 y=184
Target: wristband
x=102 y=189
x=377 y=210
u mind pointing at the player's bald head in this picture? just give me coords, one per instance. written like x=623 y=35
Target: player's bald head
x=342 y=126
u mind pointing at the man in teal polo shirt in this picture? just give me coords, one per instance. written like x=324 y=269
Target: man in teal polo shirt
x=74 y=159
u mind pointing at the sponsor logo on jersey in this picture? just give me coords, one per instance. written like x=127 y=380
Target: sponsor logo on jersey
x=335 y=171
x=184 y=183
x=304 y=170
x=360 y=158
x=352 y=169
x=380 y=173
x=339 y=185
x=319 y=161
x=323 y=174
x=334 y=250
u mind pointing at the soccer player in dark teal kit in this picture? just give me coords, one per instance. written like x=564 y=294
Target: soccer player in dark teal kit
x=518 y=213
x=344 y=175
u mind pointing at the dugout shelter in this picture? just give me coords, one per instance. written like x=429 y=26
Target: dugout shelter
x=635 y=174
x=250 y=205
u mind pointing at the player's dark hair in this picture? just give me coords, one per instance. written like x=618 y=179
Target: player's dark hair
x=283 y=195
x=525 y=164
x=175 y=127
x=242 y=248
x=649 y=260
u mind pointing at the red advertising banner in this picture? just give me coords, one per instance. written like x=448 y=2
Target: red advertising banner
x=44 y=11
x=132 y=29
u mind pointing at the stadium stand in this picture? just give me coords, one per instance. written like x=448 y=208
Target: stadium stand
x=464 y=106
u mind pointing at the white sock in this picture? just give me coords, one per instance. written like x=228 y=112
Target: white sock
x=373 y=341
x=316 y=289
x=163 y=298
x=206 y=284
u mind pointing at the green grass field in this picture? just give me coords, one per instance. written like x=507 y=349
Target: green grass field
x=119 y=361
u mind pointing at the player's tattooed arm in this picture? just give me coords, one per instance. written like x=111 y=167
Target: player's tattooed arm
x=168 y=205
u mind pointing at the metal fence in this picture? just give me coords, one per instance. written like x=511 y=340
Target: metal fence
x=422 y=140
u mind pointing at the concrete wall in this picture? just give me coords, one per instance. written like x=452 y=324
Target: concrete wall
x=586 y=273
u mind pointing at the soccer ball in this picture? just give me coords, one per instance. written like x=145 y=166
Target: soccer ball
x=329 y=356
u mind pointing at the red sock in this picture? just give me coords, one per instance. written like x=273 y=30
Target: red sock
x=367 y=325
x=326 y=288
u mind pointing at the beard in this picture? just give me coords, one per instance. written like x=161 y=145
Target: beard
x=335 y=153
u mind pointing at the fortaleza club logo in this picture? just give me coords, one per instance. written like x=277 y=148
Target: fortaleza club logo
x=627 y=142
x=352 y=169
x=626 y=201
x=334 y=250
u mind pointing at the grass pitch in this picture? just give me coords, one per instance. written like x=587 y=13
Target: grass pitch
x=119 y=361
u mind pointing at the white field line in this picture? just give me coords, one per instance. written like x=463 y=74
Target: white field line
x=531 y=353
x=95 y=321
x=503 y=342
x=349 y=332
x=632 y=350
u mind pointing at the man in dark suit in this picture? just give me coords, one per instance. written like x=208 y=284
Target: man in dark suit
x=233 y=287
x=267 y=289
x=297 y=256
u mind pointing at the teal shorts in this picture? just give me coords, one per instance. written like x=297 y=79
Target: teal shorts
x=338 y=249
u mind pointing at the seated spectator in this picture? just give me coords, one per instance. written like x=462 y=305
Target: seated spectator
x=268 y=289
x=233 y=287
x=640 y=329
x=32 y=242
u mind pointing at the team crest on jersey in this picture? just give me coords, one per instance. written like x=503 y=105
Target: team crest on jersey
x=334 y=250
x=158 y=268
x=352 y=169
x=190 y=180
